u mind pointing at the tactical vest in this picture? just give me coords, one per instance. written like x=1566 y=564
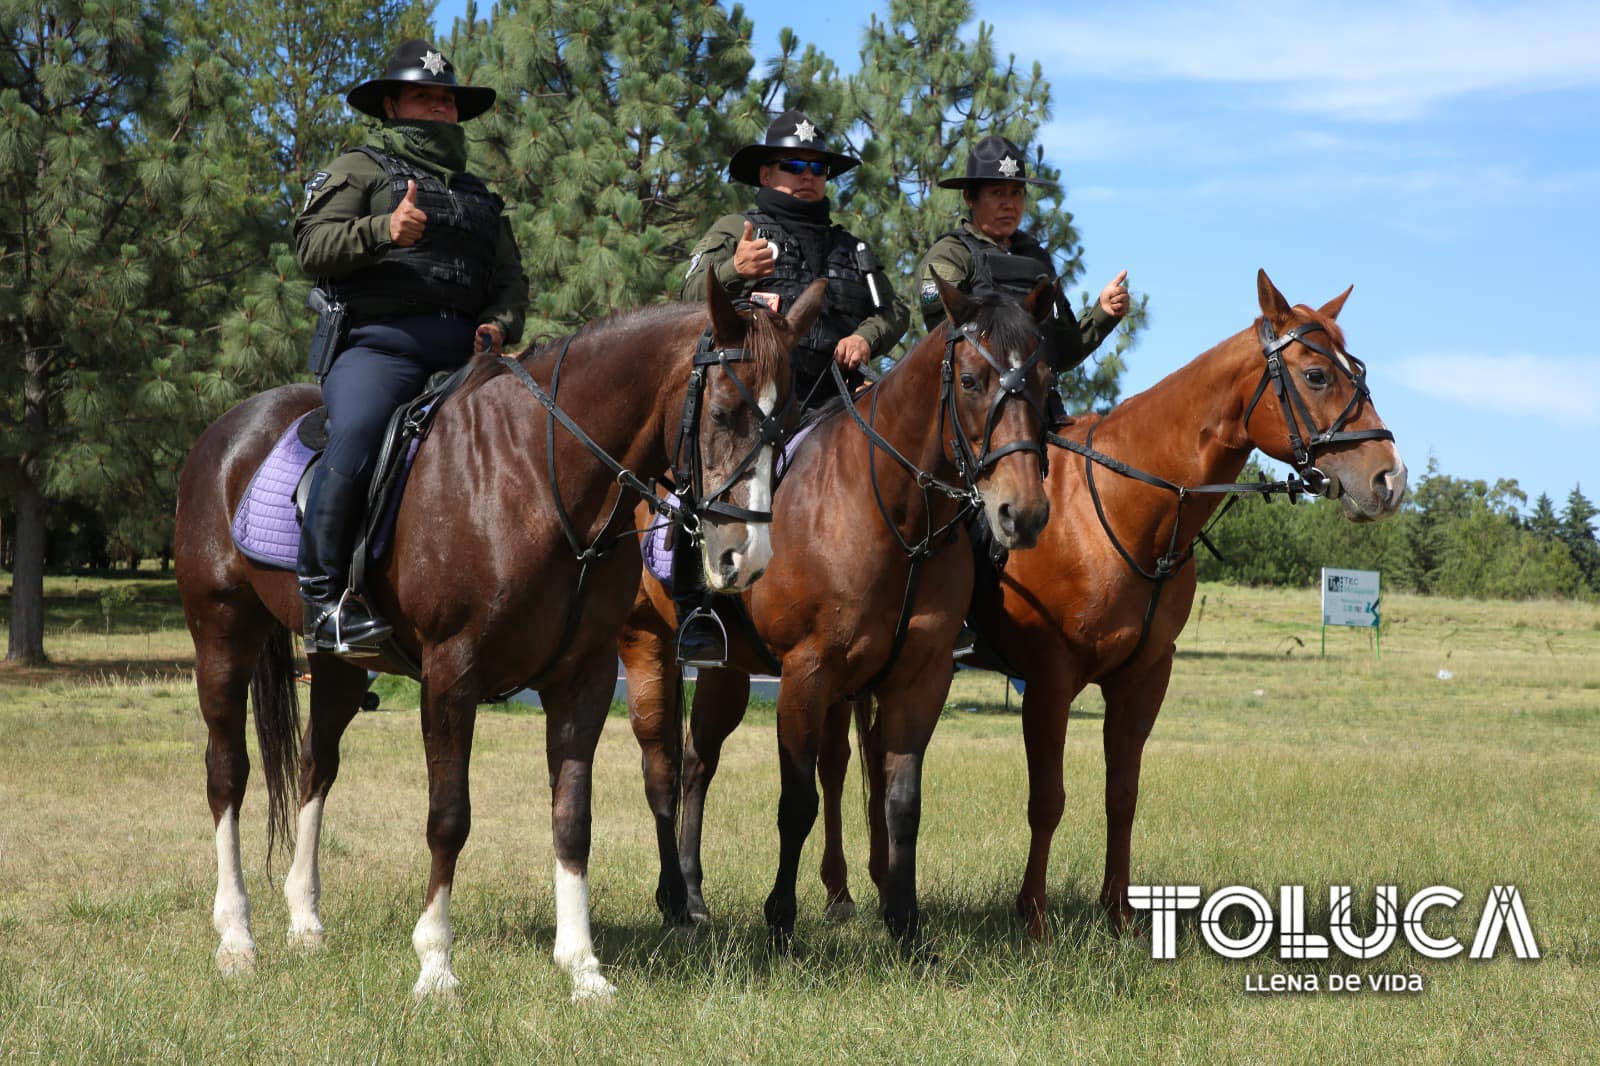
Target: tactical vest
x=997 y=270
x=848 y=302
x=1016 y=273
x=452 y=266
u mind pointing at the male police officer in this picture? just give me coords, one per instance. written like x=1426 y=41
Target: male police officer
x=770 y=254
x=420 y=253
x=988 y=253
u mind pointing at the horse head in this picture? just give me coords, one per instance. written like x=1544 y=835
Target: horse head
x=748 y=388
x=1320 y=418
x=997 y=353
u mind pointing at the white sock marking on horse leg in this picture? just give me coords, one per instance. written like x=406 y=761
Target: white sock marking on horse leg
x=230 y=915
x=303 y=887
x=432 y=939
x=574 y=947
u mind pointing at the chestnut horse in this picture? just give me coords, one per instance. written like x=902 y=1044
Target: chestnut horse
x=1104 y=595
x=869 y=580
x=487 y=532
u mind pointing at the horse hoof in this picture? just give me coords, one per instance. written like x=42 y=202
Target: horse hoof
x=699 y=916
x=840 y=910
x=310 y=939
x=589 y=987
x=438 y=985
x=236 y=961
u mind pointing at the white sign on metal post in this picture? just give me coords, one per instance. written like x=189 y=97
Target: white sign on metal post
x=1350 y=598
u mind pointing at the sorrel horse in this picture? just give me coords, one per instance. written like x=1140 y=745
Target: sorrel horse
x=1104 y=595
x=869 y=580
x=483 y=538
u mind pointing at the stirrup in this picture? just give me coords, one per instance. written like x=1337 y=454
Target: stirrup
x=697 y=657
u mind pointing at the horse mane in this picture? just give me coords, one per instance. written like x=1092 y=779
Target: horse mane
x=762 y=342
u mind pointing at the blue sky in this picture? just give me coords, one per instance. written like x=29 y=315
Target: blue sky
x=1444 y=157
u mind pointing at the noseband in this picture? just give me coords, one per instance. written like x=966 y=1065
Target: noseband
x=689 y=466
x=1013 y=385
x=1289 y=400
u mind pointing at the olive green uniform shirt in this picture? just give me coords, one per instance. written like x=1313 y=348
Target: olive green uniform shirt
x=951 y=260
x=881 y=331
x=344 y=227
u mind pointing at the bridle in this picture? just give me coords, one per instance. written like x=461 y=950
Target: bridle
x=1290 y=401
x=1013 y=385
x=685 y=513
x=689 y=464
x=1308 y=479
x=966 y=496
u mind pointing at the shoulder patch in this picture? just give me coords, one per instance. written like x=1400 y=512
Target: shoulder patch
x=930 y=294
x=318 y=180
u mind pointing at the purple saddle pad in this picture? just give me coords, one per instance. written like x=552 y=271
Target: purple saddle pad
x=265 y=525
x=655 y=548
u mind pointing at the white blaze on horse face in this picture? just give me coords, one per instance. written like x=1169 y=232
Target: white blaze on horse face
x=230 y=915
x=758 y=539
x=303 y=887
x=432 y=939
x=574 y=948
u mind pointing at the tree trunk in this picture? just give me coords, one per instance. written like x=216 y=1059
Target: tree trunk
x=26 y=642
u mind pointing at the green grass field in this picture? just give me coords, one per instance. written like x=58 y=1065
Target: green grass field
x=1269 y=766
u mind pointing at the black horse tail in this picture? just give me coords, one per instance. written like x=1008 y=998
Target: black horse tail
x=277 y=704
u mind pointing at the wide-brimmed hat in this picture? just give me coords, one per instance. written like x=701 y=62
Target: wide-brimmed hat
x=418 y=63
x=789 y=130
x=992 y=159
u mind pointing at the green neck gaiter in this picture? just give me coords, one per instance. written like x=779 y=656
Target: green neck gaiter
x=438 y=146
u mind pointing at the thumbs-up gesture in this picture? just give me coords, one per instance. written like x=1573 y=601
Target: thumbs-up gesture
x=1114 y=298
x=407 y=221
x=754 y=257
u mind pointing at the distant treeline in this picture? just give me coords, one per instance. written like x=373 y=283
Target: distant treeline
x=1453 y=537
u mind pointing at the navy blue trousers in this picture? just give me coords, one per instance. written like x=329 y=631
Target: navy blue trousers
x=385 y=365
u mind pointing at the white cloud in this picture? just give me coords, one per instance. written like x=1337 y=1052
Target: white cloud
x=1368 y=60
x=1563 y=389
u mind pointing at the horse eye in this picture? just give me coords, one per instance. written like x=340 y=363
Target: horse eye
x=968 y=381
x=722 y=416
x=1316 y=377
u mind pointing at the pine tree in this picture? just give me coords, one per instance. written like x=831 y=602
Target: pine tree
x=1543 y=522
x=922 y=97
x=111 y=240
x=610 y=141
x=1577 y=531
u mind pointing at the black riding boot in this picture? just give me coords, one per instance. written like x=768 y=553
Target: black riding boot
x=1055 y=410
x=702 y=641
x=334 y=621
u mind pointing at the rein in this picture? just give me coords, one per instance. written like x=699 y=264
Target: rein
x=1309 y=480
x=1013 y=381
x=686 y=514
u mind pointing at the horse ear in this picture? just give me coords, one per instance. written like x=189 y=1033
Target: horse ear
x=1042 y=300
x=1332 y=308
x=956 y=303
x=1273 y=305
x=727 y=325
x=805 y=310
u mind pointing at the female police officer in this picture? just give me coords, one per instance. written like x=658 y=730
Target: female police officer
x=989 y=253
x=419 y=252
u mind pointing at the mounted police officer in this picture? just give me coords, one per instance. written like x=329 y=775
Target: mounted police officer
x=419 y=252
x=772 y=252
x=988 y=253
x=769 y=255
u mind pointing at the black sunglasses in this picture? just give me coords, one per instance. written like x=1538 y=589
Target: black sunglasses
x=799 y=166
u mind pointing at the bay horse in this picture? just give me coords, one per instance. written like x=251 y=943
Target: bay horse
x=499 y=506
x=869 y=581
x=1104 y=594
